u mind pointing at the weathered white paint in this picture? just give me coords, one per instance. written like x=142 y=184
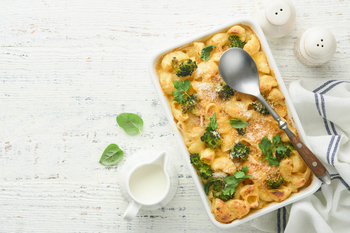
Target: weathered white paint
x=67 y=68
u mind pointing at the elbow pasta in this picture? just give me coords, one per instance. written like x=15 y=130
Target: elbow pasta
x=252 y=193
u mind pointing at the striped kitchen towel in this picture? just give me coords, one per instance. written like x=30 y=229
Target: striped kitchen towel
x=324 y=111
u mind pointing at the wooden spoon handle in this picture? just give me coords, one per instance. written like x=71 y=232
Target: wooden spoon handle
x=310 y=159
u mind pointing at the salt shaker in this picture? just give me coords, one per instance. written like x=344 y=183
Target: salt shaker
x=275 y=17
x=315 y=46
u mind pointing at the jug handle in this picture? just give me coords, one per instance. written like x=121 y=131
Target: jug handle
x=131 y=211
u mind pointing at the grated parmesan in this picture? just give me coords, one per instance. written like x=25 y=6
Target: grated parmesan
x=216 y=134
x=207 y=90
x=248 y=114
x=219 y=174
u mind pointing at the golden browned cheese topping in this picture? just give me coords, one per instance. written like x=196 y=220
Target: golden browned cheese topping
x=206 y=89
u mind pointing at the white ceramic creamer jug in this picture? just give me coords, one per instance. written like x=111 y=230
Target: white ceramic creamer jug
x=147 y=184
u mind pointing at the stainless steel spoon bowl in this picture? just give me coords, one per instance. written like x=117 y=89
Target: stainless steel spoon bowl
x=238 y=69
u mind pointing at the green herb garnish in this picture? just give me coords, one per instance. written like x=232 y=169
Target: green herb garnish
x=212 y=124
x=267 y=147
x=181 y=90
x=238 y=124
x=211 y=137
x=205 y=54
x=208 y=184
x=111 y=155
x=233 y=181
x=187 y=102
x=130 y=122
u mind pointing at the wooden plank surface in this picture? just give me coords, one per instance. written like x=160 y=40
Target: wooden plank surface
x=67 y=68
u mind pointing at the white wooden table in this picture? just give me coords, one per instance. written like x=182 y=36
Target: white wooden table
x=68 y=67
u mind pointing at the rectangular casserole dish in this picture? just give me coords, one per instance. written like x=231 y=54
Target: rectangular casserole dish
x=315 y=184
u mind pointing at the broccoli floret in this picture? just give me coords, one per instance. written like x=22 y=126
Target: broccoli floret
x=225 y=91
x=275 y=182
x=187 y=102
x=287 y=149
x=241 y=131
x=282 y=152
x=205 y=171
x=236 y=42
x=190 y=104
x=212 y=139
x=218 y=187
x=183 y=68
x=195 y=159
x=259 y=107
x=240 y=151
x=290 y=147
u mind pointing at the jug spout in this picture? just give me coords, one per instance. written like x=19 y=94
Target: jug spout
x=161 y=159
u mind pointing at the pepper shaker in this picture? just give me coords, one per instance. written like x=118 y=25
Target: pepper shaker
x=275 y=17
x=315 y=46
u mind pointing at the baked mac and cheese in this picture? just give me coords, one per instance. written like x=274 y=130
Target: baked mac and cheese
x=244 y=160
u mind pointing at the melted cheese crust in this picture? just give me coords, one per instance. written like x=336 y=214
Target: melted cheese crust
x=205 y=81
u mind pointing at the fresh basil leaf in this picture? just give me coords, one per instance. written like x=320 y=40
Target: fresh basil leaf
x=238 y=124
x=130 y=122
x=205 y=54
x=208 y=184
x=111 y=155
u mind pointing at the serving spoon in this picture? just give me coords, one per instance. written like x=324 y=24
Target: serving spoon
x=238 y=69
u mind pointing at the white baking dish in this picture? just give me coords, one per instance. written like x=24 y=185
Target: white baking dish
x=316 y=183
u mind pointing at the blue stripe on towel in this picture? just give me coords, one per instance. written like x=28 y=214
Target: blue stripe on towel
x=329 y=149
x=323 y=112
x=278 y=221
x=284 y=218
x=323 y=85
x=321 y=107
x=323 y=103
x=343 y=182
x=317 y=104
x=333 y=128
x=337 y=176
x=335 y=149
x=333 y=85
